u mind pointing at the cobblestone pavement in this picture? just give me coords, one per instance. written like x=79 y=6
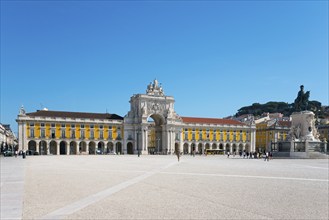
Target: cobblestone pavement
x=160 y=187
x=11 y=187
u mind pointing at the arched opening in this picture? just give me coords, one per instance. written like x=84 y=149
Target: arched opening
x=110 y=148
x=193 y=148
x=43 y=148
x=130 y=149
x=221 y=146
x=247 y=148
x=118 y=147
x=214 y=146
x=32 y=148
x=200 y=148
x=53 y=148
x=62 y=148
x=185 y=148
x=92 y=148
x=155 y=123
x=234 y=148
x=100 y=148
x=73 y=147
x=82 y=147
x=227 y=148
x=207 y=146
x=240 y=148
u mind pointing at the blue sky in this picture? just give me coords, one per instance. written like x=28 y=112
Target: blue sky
x=213 y=57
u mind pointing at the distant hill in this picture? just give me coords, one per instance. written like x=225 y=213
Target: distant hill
x=284 y=108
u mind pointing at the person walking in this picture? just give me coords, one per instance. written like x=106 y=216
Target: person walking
x=266 y=156
x=178 y=155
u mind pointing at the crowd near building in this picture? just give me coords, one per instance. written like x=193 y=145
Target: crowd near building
x=151 y=126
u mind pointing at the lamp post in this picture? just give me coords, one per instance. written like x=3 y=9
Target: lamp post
x=138 y=153
x=158 y=140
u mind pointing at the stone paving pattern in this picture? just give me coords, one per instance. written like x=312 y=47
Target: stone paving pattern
x=160 y=187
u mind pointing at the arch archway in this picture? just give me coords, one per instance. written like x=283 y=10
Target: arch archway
x=227 y=147
x=109 y=147
x=247 y=148
x=32 y=147
x=53 y=147
x=130 y=148
x=193 y=148
x=185 y=148
x=43 y=149
x=155 y=142
x=118 y=147
x=92 y=147
x=100 y=147
x=200 y=148
x=213 y=146
x=62 y=148
x=83 y=147
x=234 y=148
x=73 y=147
x=240 y=148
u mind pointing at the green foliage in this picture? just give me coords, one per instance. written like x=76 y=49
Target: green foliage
x=301 y=103
x=284 y=108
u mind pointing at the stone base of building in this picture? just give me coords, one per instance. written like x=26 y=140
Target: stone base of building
x=301 y=150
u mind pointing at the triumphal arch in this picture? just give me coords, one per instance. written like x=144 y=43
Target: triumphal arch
x=152 y=126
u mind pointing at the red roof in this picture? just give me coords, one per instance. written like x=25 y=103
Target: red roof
x=211 y=121
x=43 y=113
x=285 y=123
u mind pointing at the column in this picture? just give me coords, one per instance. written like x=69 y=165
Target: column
x=163 y=140
x=252 y=141
x=21 y=136
x=146 y=140
x=57 y=148
x=171 y=141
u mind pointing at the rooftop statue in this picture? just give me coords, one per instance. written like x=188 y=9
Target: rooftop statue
x=154 y=88
x=301 y=101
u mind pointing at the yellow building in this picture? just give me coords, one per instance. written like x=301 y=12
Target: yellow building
x=272 y=131
x=57 y=132
x=151 y=127
x=324 y=132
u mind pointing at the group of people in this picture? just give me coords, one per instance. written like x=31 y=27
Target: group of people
x=253 y=155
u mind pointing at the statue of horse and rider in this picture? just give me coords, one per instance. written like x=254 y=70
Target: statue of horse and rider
x=301 y=102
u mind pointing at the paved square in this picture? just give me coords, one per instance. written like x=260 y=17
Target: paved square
x=160 y=187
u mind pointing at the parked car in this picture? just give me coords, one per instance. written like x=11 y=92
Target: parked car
x=8 y=153
x=99 y=151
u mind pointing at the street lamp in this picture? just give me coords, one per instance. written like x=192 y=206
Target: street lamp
x=138 y=153
x=158 y=140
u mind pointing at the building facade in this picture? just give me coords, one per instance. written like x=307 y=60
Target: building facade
x=271 y=131
x=150 y=127
x=324 y=132
x=8 y=139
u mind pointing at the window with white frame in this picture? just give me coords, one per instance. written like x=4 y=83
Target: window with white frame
x=43 y=133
